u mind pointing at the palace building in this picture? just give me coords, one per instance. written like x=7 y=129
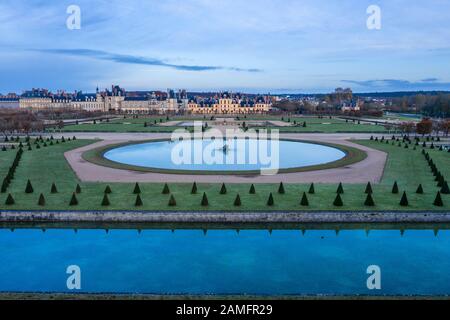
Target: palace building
x=229 y=103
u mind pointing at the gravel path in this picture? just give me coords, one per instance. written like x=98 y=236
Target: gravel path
x=371 y=169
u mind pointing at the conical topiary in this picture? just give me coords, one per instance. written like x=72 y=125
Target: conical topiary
x=172 y=201
x=438 y=201
x=41 y=201
x=340 y=189
x=29 y=187
x=404 y=200
x=73 y=200
x=445 y=189
x=137 y=189
x=138 y=202
x=270 y=201
x=338 y=201
x=369 y=200
x=281 y=189
x=311 y=189
x=419 y=189
x=9 y=200
x=166 y=189
x=304 y=202
x=53 y=189
x=78 y=189
x=204 y=202
x=368 y=188
x=108 y=190
x=223 y=189
x=194 y=188
x=395 y=188
x=105 y=201
x=252 y=189
x=237 y=201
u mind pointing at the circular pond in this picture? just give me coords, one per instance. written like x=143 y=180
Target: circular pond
x=233 y=155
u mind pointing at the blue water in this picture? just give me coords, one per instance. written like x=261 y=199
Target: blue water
x=209 y=155
x=223 y=261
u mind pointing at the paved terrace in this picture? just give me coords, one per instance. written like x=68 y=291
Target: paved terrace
x=371 y=169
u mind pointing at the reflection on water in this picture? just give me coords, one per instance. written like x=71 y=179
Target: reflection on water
x=207 y=260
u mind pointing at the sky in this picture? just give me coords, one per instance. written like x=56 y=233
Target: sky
x=259 y=46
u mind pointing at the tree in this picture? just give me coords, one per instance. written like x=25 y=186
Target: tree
x=368 y=188
x=105 y=201
x=137 y=189
x=438 y=200
x=419 y=189
x=311 y=189
x=41 y=200
x=166 y=189
x=424 y=127
x=252 y=189
x=223 y=189
x=338 y=201
x=194 y=188
x=445 y=189
x=9 y=200
x=369 y=200
x=404 y=200
x=108 y=190
x=395 y=188
x=304 y=201
x=340 y=189
x=78 y=189
x=237 y=201
x=281 y=189
x=172 y=201
x=29 y=187
x=138 y=202
x=270 y=201
x=204 y=202
x=73 y=200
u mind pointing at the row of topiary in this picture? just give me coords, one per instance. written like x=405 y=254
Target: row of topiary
x=10 y=175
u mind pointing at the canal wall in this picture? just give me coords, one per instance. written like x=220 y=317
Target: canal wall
x=224 y=217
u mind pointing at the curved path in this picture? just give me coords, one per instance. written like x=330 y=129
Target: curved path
x=371 y=169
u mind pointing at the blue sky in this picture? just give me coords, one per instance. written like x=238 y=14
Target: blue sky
x=248 y=45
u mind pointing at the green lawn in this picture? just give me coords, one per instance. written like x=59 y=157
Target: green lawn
x=46 y=165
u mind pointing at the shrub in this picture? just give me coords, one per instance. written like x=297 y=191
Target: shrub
x=404 y=200
x=9 y=200
x=138 y=202
x=270 y=201
x=338 y=201
x=204 y=202
x=73 y=200
x=281 y=189
x=105 y=201
x=369 y=200
x=172 y=201
x=108 y=190
x=311 y=189
x=304 y=201
x=395 y=188
x=438 y=201
x=53 y=188
x=29 y=187
x=3 y=148
x=194 y=188
x=223 y=189
x=445 y=189
x=41 y=201
x=137 y=189
x=419 y=189
x=252 y=189
x=237 y=201
x=340 y=189
x=166 y=189
x=78 y=189
x=368 y=188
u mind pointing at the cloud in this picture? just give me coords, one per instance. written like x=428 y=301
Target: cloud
x=130 y=59
x=399 y=84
